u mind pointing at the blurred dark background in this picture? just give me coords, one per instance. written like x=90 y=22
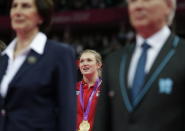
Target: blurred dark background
x=102 y=25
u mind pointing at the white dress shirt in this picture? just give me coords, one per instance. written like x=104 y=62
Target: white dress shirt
x=156 y=42
x=14 y=64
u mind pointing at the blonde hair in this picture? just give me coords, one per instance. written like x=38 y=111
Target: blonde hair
x=97 y=57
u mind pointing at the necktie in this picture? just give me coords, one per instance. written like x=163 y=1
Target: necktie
x=140 y=72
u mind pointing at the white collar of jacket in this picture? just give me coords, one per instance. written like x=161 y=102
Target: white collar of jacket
x=37 y=44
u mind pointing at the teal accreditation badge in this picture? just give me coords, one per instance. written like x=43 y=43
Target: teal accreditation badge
x=165 y=86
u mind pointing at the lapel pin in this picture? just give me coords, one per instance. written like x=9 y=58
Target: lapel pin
x=32 y=59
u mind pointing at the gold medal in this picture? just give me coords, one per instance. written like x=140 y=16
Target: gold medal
x=84 y=126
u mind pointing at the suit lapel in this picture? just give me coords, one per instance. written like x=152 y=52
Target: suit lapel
x=3 y=66
x=123 y=76
x=31 y=60
x=163 y=58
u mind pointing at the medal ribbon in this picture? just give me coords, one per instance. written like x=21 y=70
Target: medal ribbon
x=86 y=112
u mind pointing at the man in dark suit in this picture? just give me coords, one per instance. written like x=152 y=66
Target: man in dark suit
x=144 y=83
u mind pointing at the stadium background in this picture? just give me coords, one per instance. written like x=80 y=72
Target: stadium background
x=102 y=25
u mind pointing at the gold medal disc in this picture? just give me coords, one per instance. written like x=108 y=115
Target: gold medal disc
x=84 y=126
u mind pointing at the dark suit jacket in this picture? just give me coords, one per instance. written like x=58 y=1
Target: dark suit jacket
x=41 y=96
x=160 y=106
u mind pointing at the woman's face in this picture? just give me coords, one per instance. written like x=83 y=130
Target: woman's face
x=88 y=64
x=24 y=15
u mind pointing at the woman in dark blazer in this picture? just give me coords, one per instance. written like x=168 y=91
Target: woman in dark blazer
x=37 y=75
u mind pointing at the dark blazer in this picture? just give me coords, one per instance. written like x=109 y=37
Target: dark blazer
x=160 y=106
x=41 y=96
